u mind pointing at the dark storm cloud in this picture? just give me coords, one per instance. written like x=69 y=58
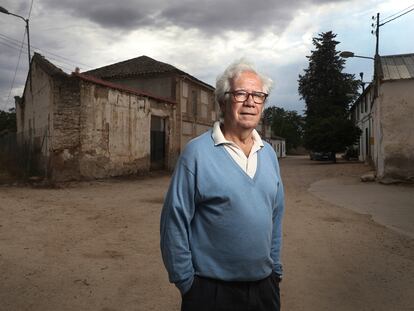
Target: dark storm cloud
x=230 y=15
x=207 y=16
x=121 y=14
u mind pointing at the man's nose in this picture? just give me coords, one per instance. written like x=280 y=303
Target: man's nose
x=249 y=101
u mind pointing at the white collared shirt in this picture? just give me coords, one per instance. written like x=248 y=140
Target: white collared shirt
x=249 y=163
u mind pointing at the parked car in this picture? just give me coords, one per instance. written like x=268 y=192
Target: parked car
x=351 y=153
x=321 y=156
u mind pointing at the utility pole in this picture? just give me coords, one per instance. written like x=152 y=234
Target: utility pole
x=26 y=20
x=376 y=58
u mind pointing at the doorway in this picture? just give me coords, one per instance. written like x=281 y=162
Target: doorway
x=157 y=143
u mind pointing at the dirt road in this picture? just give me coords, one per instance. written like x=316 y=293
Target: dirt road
x=95 y=246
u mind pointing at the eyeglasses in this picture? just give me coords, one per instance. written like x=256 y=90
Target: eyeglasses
x=241 y=96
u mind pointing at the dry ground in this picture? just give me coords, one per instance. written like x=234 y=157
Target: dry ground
x=95 y=246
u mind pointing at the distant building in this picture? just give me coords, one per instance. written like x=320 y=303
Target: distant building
x=77 y=126
x=386 y=121
x=278 y=143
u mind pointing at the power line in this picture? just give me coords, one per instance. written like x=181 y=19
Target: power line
x=396 y=13
x=62 y=64
x=10 y=45
x=67 y=60
x=30 y=11
x=17 y=66
x=396 y=17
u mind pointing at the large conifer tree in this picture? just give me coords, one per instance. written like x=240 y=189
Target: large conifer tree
x=328 y=93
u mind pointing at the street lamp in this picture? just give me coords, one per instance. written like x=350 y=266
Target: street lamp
x=26 y=20
x=347 y=54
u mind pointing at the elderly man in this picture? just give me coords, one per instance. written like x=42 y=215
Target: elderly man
x=221 y=224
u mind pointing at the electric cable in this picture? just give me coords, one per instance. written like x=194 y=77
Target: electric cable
x=70 y=62
x=17 y=66
x=396 y=17
x=384 y=19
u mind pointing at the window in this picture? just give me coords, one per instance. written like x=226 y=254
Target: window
x=204 y=104
x=184 y=97
x=194 y=101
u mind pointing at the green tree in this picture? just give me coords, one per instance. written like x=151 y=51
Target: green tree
x=8 y=120
x=285 y=123
x=328 y=93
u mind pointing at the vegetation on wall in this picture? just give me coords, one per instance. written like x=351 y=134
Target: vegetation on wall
x=8 y=121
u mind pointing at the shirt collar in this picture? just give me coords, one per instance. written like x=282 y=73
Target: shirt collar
x=219 y=138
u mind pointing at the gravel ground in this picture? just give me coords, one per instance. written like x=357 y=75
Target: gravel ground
x=95 y=246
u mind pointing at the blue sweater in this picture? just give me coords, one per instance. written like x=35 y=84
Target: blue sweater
x=218 y=222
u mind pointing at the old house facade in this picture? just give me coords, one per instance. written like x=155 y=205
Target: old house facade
x=278 y=143
x=82 y=127
x=196 y=108
x=362 y=117
x=386 y=120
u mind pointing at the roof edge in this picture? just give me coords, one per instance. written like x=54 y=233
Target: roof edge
x=398 y=55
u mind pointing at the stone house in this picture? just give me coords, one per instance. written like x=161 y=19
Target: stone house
x=362 y=117
x=278 y=143
x=81 y=127
x=386 y=120
x=195 y=110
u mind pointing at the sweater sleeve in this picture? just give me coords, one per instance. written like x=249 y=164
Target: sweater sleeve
x=176 y=216
x=278 y=211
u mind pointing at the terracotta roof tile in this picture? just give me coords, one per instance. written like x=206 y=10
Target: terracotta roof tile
x=135 y=66
x=142 y=65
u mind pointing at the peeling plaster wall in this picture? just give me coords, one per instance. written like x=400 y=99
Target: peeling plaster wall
x=395 y=131
x=114 y=132
x=195 y=104
x=33 y=116
x=37 y=102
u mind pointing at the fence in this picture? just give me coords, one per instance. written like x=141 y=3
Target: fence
x=23 y=155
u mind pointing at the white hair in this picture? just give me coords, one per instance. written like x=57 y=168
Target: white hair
x=223 y=82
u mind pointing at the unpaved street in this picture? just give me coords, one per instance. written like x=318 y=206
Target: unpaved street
x=95 y=246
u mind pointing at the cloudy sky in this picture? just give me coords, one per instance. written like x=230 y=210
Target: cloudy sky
x=200 y=37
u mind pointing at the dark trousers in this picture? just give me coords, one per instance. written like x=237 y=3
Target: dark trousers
x=213 y=295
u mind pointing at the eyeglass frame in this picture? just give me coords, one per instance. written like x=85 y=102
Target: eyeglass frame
x=248 y=94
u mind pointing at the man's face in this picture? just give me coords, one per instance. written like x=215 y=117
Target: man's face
x=244 y=115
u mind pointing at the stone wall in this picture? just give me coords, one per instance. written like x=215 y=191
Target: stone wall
x=65 y=125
